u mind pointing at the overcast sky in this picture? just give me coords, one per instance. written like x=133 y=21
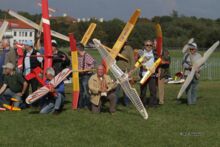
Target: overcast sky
x=122 y=9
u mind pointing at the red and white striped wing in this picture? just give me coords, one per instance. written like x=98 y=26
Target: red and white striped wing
x=44 y=90
x=60 y=77
x=37 y=95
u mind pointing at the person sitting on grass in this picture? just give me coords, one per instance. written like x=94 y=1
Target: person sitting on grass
x=53 y=101
x=102 y=87
x=14 y=85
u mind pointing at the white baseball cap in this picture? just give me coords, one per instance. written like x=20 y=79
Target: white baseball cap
x=193 y=45
x=8 y=65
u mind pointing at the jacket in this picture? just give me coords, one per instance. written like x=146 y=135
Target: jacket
x=11 y=57
x=60 y=61
x=95 y=84
x=124 y=65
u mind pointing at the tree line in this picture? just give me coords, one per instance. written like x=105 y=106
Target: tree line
x=177 y=29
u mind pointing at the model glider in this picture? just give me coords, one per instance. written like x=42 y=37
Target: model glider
x=122 y=78
x=196 y=66
x=150 y=71
x=159 y=46
x=11 y=106
x=45 y=89
x=50 y=9
x=47 y=37
x=3 y=29
x=114 y=52
x=36 y=26
x=185 y=48
x=75 y=75
x=88 y=34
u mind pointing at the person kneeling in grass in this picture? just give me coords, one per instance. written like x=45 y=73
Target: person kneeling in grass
x=14 y=85
x=53 y=101
x=102 y=87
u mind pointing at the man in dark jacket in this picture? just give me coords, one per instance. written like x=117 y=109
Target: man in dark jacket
x=126 y=66
x=60 y=59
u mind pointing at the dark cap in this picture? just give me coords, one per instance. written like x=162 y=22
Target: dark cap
x=54 y=43
x=80 y=46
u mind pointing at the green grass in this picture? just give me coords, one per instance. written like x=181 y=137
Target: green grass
x=170 y=125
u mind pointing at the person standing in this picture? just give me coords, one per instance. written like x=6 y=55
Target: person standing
x=150 y=57
x=6 y=49
x=60 y=59
x=86 y=65
x=188 y=60
x=102 y=88
x=32 y=60
x=11 y=56
x=163 y=73
x=126 y=66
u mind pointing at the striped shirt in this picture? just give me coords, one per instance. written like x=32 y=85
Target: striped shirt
x=86 y=62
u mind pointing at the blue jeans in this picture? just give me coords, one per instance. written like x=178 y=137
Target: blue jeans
x=54 y=103
x=126 y=100
x=191 y=92
x=84 y=96
x=8 y=94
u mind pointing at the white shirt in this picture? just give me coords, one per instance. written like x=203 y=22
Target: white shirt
x=27 y=68
x=150 y=62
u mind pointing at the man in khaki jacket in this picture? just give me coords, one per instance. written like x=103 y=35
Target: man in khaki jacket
x=102 y=87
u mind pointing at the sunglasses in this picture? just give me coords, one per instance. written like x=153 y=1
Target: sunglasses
x=192 y=49
x=148 y=45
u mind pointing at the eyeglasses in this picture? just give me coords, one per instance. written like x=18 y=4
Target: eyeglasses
x=148 y=45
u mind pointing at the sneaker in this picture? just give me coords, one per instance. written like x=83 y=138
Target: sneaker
x=56 y=112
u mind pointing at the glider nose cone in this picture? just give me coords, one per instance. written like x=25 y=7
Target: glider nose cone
x=96 y=42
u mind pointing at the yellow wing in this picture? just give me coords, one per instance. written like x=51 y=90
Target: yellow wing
x=150 y=71
x=119 y=55
x=9 y=107
x=88 y=34
x=125 y=33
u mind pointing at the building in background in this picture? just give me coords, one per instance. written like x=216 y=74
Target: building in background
x=18 y=31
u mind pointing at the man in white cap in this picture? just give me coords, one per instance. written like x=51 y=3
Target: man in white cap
x=188 y=60
x=32 y=60
x=14 y=85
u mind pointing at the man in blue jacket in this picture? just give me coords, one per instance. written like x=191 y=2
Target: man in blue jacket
x=53 y=102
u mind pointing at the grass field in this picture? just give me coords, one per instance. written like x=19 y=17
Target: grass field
x=170 y=125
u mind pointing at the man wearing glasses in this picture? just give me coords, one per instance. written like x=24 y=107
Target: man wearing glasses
x=151 y=57
x=188 y=61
